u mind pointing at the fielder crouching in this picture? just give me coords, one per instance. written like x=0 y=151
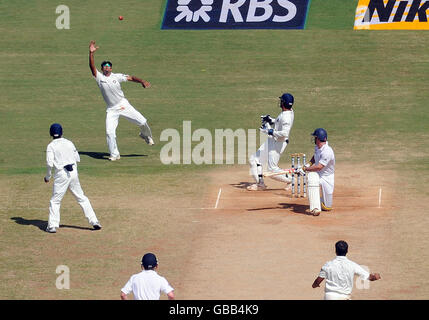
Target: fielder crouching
x=320 y=174
x=278 y=131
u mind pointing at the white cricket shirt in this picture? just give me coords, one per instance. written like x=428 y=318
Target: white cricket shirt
x=60 y=152
x=283 y=125
x=110 y=87
x=339 y=275
x=325 y=156
x=147 y=285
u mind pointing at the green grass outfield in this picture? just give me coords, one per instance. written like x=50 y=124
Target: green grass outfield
x=368 y=89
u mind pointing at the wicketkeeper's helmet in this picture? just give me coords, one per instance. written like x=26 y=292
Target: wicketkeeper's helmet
x=287 y=100
x=56 y=130
x=320 y=134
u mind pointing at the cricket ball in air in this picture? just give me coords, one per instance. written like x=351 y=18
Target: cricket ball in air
x=121 y=18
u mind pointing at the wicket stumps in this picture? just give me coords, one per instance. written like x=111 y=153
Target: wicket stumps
x=296 y=192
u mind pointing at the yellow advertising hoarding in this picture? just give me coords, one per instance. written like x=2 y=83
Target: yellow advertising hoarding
x=392 y=15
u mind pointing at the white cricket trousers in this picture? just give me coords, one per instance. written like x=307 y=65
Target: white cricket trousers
x=64 y=180
x=126 y=110
x=336 y=296
x=268 y=153
x=327 y=184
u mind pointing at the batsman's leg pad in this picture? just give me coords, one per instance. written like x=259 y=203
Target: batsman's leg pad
x=254 y=168
x=313 y=191
x=260 y=173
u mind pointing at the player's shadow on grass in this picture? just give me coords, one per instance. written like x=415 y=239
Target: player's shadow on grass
x=42 y=224
x=105 y=155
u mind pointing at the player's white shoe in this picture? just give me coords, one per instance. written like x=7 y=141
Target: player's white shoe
x=114 y=158
x=315 y=212
x=148 y=140
x=257 y=187
x=51 y=229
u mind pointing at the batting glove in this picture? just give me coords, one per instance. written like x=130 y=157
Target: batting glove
x=300 y=171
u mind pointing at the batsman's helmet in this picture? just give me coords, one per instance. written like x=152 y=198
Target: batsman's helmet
x=320 y=134
x=287 y=100
x=149 y=261
x=56 y=130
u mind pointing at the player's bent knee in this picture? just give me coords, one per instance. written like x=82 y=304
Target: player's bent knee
x=82 y=199
x=111 y=134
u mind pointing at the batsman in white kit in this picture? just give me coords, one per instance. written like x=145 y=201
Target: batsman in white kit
x=62 y=156
x=268 y=154
x=320 y=172
x=116 y=103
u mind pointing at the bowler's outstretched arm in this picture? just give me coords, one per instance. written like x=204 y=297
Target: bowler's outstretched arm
x=92 y=49
x=144 y=83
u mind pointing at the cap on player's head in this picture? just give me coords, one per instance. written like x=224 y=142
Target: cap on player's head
x=149 y=261
x=286 y=100
x=320 y=134
x=341 y=248
x=56 y=131
x=106 y=63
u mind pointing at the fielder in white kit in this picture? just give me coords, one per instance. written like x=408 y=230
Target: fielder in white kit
x=116 y=103
x=278 y=138
x=339 y=274
x=62 y=156
x=321 y=173
x=148 y=284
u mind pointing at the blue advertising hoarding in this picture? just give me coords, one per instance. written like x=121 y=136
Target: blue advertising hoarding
x=235 y=14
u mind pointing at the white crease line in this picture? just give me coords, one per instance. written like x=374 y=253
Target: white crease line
x=218 y=197
x=379 y=198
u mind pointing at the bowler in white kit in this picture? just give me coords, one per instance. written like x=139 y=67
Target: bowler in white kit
x=116 y=103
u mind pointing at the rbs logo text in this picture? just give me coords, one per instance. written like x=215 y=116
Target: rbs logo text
x=235 y=14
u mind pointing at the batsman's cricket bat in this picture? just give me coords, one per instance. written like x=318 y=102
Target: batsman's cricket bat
x=277 y=173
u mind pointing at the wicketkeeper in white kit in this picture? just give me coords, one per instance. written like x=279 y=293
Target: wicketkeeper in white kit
x=62 y=156
x=269 y=153
x=116 y=103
